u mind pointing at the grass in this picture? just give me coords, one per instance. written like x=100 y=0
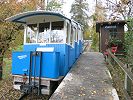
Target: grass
x=18 y=48
x=94 y=48
x=7 y=68
x=8 y=62
x=6 y=72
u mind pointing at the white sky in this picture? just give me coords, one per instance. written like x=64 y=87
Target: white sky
x=67 y=7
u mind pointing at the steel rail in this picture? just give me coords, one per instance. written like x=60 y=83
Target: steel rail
x=23 y=96
x=85 y=45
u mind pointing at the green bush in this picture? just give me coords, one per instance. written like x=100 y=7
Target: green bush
x=115 y=42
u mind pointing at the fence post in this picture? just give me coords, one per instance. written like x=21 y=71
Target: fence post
x=128 y=82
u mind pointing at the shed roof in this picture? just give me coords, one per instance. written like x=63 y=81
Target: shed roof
x=98 y=24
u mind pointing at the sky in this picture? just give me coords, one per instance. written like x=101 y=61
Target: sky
x=67 y=7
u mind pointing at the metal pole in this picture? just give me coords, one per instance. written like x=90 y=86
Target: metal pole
x=46 y=3
x=39 y=84
x=128 y=82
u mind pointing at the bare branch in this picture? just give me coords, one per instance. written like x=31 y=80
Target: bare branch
x=111 y=2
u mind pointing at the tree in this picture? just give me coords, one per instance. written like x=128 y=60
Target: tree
x=129 y=41
x=100 y=12
x=99 y=15
x=120 y=9
x=53 y=6
x=95 y=39
x=9 y=31
x=79 y=11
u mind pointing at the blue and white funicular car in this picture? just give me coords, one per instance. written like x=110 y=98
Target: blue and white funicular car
x=52 y=43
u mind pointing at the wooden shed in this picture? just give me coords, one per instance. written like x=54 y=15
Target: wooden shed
x=109 y=30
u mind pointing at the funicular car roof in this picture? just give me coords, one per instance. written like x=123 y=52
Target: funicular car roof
x=21 y=17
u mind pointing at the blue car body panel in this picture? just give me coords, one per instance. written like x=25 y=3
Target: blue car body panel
x=53 y=64
x=20 y=63
x=48 y=63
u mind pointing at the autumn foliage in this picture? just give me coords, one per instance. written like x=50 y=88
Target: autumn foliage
x=9 y=31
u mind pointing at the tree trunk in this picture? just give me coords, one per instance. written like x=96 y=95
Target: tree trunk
x=1 y=64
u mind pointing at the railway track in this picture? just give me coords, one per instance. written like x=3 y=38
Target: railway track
x=33 y=97
x=9 y=93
